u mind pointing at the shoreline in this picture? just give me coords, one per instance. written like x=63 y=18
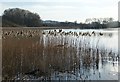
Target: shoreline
x=56 y=28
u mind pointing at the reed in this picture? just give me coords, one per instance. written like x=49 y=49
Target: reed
x=37 y=53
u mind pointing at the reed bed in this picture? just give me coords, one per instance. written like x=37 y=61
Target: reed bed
x=33 y=52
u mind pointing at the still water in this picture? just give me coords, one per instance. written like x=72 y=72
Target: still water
x=107 y=67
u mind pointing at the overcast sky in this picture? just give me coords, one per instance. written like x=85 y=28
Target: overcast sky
x=66 y=10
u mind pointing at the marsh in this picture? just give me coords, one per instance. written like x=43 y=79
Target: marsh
x=59 y=54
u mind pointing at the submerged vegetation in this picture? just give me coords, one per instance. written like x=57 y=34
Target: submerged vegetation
x=41 y=54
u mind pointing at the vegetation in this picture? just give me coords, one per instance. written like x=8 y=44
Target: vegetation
x=37 y=53
x=20 y=17
x=16 y=17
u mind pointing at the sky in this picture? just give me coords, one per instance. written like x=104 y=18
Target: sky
x=66 y=10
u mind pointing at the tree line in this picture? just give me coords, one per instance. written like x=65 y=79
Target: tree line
x=17 y=17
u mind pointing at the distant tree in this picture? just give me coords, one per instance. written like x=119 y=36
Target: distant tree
x=75 y=22
x=111 y=19
x=88 y=20
x=22 y=17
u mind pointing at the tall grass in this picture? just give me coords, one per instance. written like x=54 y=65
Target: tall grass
x=47 y=53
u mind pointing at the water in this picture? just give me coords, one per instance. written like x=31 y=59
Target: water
x=107 y=68
x=109 y=40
